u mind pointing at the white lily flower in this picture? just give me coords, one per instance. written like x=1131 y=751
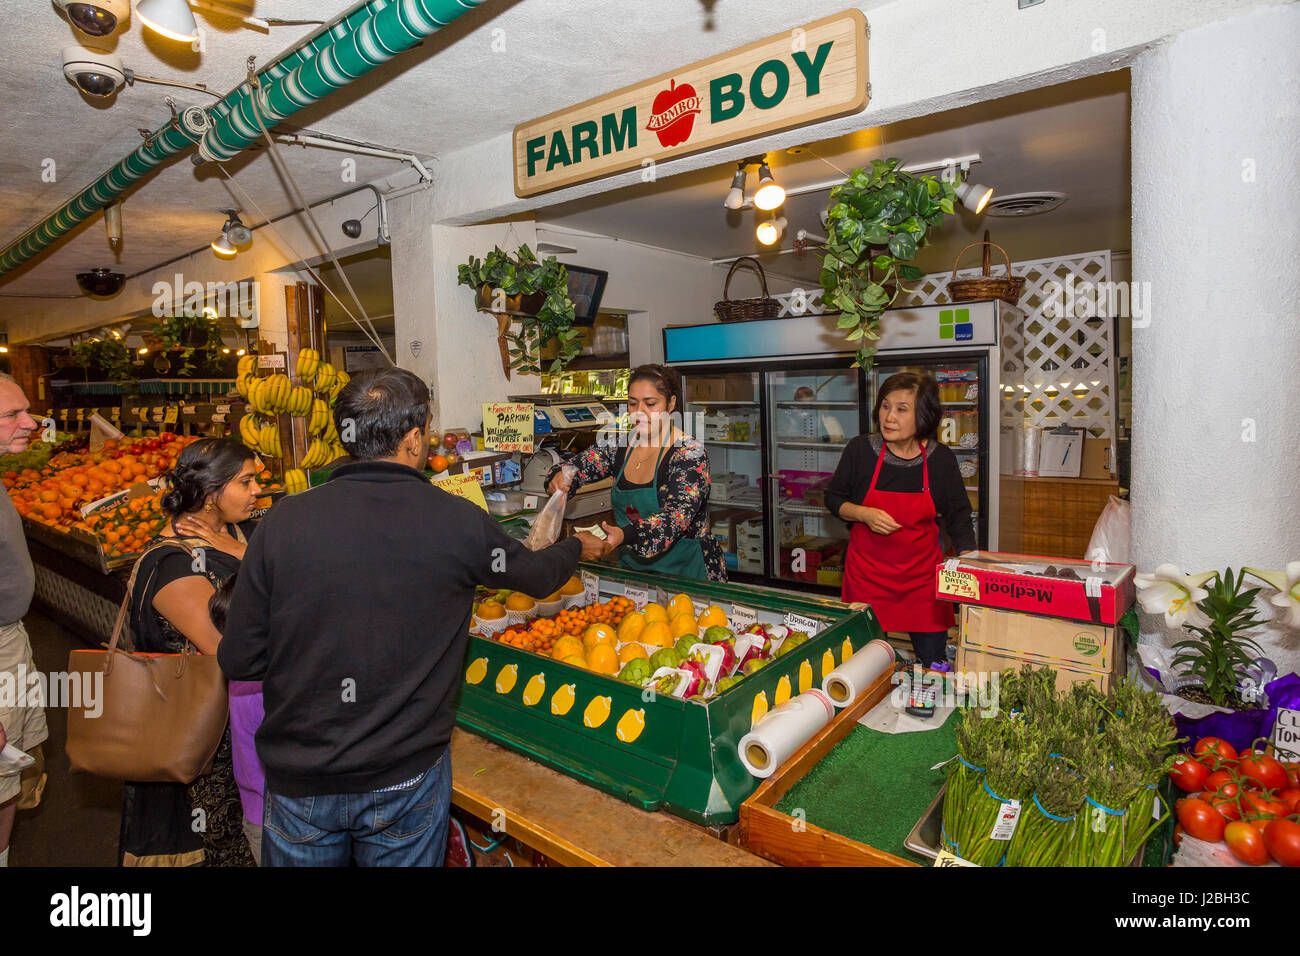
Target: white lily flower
x=1287 y=583
x=1175 y=595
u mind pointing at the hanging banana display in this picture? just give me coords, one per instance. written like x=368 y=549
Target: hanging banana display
x=295 y=480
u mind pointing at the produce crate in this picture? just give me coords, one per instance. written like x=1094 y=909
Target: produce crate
x=768 y=832
x=683 y=757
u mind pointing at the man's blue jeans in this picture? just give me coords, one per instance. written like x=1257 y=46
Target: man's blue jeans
x=405 y=825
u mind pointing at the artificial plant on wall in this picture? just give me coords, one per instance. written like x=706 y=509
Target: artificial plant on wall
x=877 y=221
x=536 y=293
x=108 y=355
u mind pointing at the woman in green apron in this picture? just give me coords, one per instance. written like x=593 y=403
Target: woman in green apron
x=661 y=484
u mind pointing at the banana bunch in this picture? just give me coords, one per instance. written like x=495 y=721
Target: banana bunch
x=326 y=375
x=295 y=480
x=320 y=418
x=341 y=378
x=300 y=401
x=249 y=432
x=244 y=383
x=268 y=440
x=318 y=453
x=308 y=362
x=270 y=395
x=247 y=365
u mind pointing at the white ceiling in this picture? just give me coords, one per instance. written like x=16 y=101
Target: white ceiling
x=457 y=89
x=1072 y=138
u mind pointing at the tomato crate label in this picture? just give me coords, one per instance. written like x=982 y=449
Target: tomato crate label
x=590 y=588
x=638 y=596
x=959 y=584
x=1006 y=822
x=1286 y=734
x=742 y=617
x=797 y=622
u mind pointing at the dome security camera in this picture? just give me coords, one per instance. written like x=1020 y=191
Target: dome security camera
x=95 y=72
x=101 y=282
x=98 y=19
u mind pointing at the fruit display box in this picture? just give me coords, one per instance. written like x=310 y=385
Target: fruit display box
x=1080 y=590
x=654 y=750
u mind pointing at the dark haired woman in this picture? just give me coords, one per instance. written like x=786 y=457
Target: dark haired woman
x=661 y=484
x=894 y=487
x=214 y=490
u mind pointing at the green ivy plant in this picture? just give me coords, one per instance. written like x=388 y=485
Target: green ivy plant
x=1218 y=652
x=877 y=220
x=506 y=276
x=109 y=354
x=180 y=332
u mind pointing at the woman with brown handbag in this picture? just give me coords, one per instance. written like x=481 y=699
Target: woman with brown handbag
x=214 y=490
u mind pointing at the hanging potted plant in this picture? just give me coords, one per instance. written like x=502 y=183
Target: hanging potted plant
x=536 y=294
x=103 y=359
x=183 y=335
x=877 y=221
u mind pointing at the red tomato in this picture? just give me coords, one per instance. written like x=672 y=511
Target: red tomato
x=1216 y=780
x=1246 y=843
x=1188 y=775
x=1255 y=804
x=1282 y=840
x=1225 y=801
x=1209 y=748
x=1291 y=797
x=1200 y=820
x=1263 y=769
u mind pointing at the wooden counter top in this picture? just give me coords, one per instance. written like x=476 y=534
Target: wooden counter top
x=571 y=823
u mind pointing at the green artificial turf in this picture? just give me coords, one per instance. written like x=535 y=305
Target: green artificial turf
x=873 y=787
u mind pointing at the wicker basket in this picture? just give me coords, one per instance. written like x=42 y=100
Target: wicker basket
x=745 y=310
x=1007 y=288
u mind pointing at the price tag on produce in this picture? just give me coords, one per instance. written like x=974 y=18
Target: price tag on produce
x=797 y=622
x=81 y=414
x=1006 y=822
x=170 y=414
x=638 y=596
x=959 y=584
x=1286 y=734
x=189 y=409
x=945 y=858
x=117 y=414
x=590 y=588
x=742 y=617
x=463 y=486
x=218 y=419
x=223 y=409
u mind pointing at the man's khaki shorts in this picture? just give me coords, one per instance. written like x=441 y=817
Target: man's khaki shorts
x=24 y=724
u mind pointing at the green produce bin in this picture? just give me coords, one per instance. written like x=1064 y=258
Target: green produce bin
x=654 y=751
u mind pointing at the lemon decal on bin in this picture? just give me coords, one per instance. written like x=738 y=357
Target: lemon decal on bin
x=534 y=689
x=760 y=708
x=506 y=678
x=630 y=725
x=476 y=671
x=828 y=663
x=846 y=649
x=782 y=691
x=805 y=676
x=597 y=711
x=562 y=700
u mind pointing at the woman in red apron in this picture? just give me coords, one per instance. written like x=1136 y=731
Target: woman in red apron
x=895 y=488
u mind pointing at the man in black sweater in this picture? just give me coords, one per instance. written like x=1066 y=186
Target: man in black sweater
x=353 y=607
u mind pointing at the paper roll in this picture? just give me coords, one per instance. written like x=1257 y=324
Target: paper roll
x=1028 y=461
x=783 y=731
x=843 y=685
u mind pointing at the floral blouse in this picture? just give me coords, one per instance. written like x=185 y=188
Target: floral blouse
x=683 y=486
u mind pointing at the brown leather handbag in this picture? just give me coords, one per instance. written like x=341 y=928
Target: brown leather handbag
x=161 y=716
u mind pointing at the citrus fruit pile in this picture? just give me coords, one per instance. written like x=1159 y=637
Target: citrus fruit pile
x=540 y=636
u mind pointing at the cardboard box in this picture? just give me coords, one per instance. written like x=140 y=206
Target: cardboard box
x=976 y=661
x=1098 y=458
x=1100 y=594
x=705 y=388
x=738 y=387
x=1074 y=645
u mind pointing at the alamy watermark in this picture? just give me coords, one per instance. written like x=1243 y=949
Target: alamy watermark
x=1084 y=299
x=80 y=690
x=223 y=300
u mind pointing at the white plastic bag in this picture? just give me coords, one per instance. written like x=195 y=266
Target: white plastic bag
x=546 y=528
x=1111 y=535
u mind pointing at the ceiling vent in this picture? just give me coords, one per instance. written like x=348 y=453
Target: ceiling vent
x=1023 y=204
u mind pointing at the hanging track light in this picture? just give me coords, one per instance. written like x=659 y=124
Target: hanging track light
x=233 y=233
x=769 y=194
x=736 y=195
x=769 y=231
x=171 y=18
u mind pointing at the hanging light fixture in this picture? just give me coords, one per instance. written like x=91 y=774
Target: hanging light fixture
x=769 y=195
x=223 y=247
x=113 y=225
x=974 y=196
x=233 y=233
x=172 y=18
x=736 y=195
x=770 y=231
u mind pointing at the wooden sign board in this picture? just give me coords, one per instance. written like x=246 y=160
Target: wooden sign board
x=463 y=486
x=508 y=426
x=806 y=75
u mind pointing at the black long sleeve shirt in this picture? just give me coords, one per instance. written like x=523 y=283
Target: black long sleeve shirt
x=853 y=477
x=353 y=608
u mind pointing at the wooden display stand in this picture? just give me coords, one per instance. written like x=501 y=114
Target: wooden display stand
x=770 y=833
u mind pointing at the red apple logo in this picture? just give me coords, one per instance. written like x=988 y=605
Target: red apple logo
x=673 y=115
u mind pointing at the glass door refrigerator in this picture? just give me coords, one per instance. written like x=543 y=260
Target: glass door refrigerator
x=776 y=401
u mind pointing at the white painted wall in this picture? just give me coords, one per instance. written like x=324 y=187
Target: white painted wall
x=1216 y=384
x=656 y=287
